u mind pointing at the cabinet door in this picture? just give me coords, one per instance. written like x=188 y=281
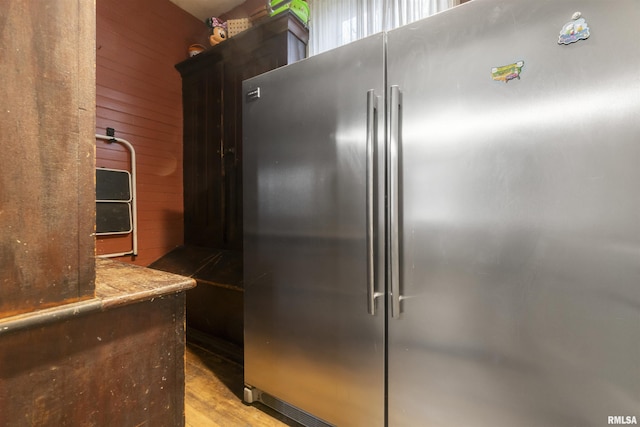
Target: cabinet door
x=203 y=170
x=212 y=101
x=231 y=142
x=270 y=55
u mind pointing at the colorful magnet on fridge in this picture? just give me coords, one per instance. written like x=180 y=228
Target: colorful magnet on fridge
x=573 y=31
x=507 y=72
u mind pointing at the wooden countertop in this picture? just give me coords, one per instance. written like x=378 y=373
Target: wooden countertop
x=117 y=284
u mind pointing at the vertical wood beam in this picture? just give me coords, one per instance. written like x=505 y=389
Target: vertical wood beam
x=47 y=118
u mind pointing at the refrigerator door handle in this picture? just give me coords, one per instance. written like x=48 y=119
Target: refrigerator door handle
x=372 y=110
x=394 y=202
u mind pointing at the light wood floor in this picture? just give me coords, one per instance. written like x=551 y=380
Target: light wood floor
x=213 y=396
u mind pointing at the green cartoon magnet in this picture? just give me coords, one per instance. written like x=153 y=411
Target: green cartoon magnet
x=507 y=72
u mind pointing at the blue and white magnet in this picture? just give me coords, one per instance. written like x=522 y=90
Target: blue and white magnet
x=575 y=30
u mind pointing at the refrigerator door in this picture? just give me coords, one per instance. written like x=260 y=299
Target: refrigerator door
x=518 y=211
x=310 y=195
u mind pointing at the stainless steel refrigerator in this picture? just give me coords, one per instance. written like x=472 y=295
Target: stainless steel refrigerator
x=442 y=222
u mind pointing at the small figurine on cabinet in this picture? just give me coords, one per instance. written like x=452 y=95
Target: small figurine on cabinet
x=218 y=30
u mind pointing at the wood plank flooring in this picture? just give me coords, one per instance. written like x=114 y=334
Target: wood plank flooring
x=213 y=398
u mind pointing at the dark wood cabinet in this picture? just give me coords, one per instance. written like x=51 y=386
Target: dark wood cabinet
x=212 y=105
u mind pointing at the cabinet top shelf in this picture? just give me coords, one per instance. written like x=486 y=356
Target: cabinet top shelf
x=270 y=27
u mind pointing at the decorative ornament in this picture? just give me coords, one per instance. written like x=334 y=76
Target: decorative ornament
x=218 y=30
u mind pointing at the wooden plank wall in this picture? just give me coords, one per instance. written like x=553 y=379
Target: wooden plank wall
x=138 y=93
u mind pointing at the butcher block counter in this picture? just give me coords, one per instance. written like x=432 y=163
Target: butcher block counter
x=113 y=360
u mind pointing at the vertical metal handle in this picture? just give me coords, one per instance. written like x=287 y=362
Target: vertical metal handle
x=372 y=106
x=394 y=238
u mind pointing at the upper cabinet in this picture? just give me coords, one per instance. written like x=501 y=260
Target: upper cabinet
x=212 y=105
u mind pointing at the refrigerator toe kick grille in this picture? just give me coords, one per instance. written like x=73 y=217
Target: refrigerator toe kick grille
x=255 y=395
